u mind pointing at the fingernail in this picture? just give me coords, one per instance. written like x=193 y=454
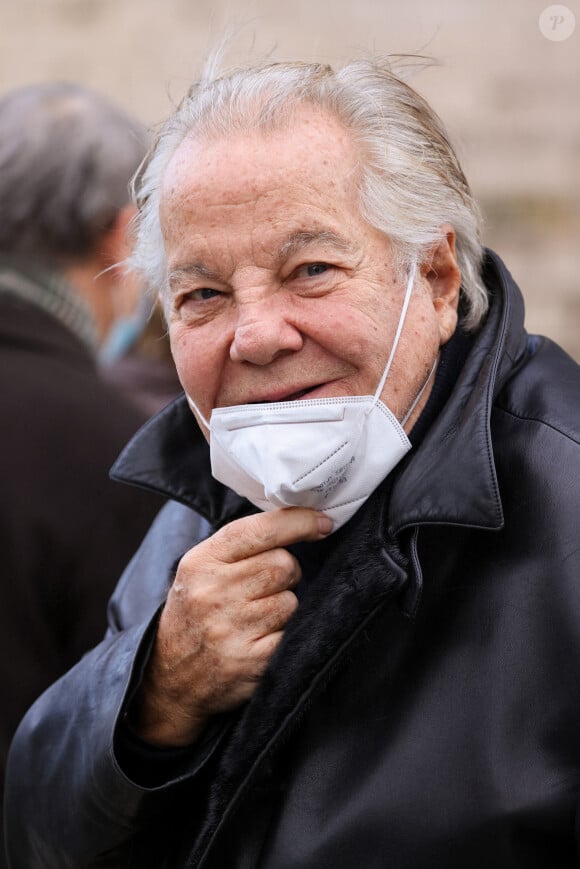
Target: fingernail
x=325 y=525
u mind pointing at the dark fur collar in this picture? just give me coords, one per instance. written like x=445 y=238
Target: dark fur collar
x=362 y=573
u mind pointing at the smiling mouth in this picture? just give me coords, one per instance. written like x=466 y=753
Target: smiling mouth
x=293 y=396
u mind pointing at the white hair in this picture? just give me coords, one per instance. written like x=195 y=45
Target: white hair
x=411 y=182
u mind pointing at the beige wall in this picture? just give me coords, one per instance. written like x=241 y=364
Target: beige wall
x=509 y=95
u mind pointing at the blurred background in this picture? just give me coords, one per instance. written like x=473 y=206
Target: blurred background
x=506 y=87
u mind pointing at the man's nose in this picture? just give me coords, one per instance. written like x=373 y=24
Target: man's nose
x=263 y=333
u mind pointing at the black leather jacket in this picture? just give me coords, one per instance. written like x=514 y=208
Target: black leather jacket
x=423 y=710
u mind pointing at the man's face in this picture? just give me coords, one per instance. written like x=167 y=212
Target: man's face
x=278 y=288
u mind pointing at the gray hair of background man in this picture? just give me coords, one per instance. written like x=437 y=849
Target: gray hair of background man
x=410 y=182
x=66 y=159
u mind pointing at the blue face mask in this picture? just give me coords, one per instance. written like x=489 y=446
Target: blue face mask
x=120 y=338
x=124 y=333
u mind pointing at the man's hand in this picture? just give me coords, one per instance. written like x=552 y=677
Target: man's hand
x=223 y=619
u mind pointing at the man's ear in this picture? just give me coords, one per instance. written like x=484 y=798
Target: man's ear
x=162 y=304
x=115 y=246
x=117 y=287
x=442 y=274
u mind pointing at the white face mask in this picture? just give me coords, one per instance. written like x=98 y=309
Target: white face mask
x=325 y=453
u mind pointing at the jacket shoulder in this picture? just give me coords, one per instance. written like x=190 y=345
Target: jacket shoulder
x=545 y=389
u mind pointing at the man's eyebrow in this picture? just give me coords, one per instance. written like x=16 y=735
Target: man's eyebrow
x=303 y=239
x=195 y=270
x=294 y=244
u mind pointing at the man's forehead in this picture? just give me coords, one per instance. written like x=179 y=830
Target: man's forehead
x=316 y=142
x=229 y=201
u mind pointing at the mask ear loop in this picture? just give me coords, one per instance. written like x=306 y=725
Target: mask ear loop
x=196 y=410
x=406 y=301
x=421 y=391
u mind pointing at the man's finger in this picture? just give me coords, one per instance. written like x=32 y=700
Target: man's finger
x=274 y=571
x=262 y=532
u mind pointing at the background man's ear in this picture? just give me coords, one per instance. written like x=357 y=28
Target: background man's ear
x=113 y=292
x=114 y=245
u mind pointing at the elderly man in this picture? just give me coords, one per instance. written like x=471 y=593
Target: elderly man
x=378 y=668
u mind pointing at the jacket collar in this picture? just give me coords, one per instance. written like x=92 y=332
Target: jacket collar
x=458 y=446
x=169 y=454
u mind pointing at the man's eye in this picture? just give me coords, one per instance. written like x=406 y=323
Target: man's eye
x=311 y=270
x=316 y=269
x=201 y=295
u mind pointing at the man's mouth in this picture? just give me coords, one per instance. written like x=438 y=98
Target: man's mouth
x=288 y=396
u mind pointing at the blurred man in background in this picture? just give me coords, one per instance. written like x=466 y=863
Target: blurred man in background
x=66 y=530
